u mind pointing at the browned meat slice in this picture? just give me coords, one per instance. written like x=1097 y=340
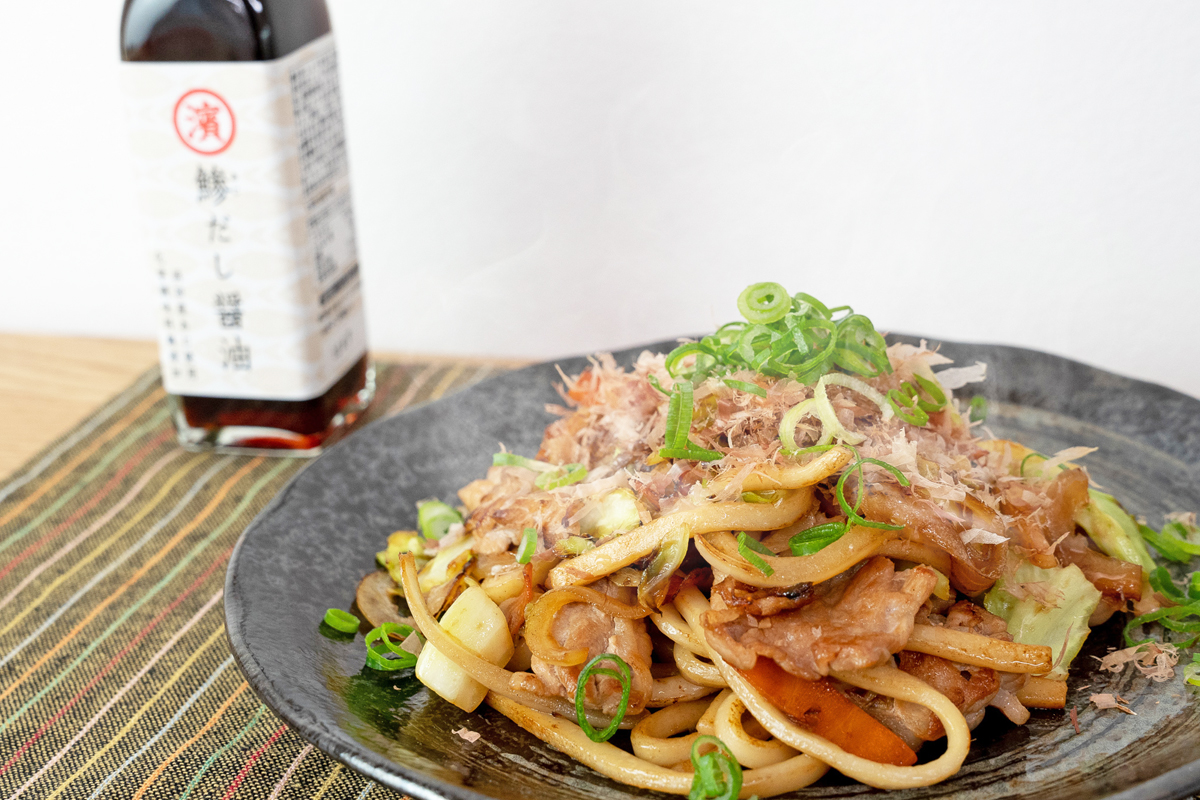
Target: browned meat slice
x=762 y=602
x=581 y=625
x=1043 y=513
x=966 y=616
x=856 y=620
x=506 y=503
x=975 y=567
x=1117 y=580
x=971 y=689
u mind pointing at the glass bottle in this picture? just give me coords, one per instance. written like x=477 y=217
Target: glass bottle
x=240 y=159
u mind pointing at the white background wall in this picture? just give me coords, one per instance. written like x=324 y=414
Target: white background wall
x=543 y=177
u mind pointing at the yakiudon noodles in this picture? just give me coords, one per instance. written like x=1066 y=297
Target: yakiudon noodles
x=783 y=549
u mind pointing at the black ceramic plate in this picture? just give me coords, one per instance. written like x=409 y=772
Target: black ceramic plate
x=308 y=549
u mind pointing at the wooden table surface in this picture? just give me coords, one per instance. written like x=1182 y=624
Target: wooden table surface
x=48 y=384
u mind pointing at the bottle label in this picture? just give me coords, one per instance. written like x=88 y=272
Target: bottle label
x=243 y=183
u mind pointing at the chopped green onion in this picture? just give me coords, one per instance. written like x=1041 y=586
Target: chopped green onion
x=763 y=497
x=527 y=547
x=1160 y=581
x=679 y=428
x=979 y=408
x=1026 y=458
x=907 y=406
x=791 y=418
x=1191 y=673
x=798 y=339
x=1171 y=618
x=690 y=453
x=816 y=538
x=763 y=303
x=434 y=518
x=622 y=674
x=716 y=775
x=936 y=395
x=679 y=415
x=514 y=460
x=752 y=388
x=749 y=548
x=340 y=620
x=653 y=381
x=852 y=516
x=378 y=657
x=1171 y=542
x=558 y=477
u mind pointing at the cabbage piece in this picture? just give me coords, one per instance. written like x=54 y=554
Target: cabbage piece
x=1062 y=628
x=398 y=543
x=1114 y=531
x=615 y=511
x=447 y=564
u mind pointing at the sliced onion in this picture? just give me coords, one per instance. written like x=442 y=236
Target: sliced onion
x=833 y=426
x=621 y=551
x=767 y=476
x=540 y=616
x=720 y=550
x=918 y=553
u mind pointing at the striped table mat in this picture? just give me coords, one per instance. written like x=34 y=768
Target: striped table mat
x=115 y=676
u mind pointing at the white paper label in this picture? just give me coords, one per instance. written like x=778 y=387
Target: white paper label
x=243 y=182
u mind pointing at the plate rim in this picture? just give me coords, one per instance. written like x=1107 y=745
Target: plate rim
x=1177 y=783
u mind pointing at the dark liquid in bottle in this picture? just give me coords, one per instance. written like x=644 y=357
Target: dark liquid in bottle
x=245 y=30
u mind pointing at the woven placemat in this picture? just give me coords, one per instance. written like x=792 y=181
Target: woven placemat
x=115 y=676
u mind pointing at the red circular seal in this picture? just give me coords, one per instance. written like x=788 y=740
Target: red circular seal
x=204 y=122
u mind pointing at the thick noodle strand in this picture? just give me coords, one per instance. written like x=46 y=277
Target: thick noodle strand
x=881 y=680
x=978 y=650
x=627 y=548
x=610 y=760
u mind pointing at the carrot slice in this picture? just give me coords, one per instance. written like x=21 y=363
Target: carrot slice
x=819 y=707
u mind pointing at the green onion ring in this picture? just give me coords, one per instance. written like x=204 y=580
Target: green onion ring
x=690 y=454
x=678 y=354
x=527 y=547
x=624 y=676
x=816 y=538
x=1026 y=458
x=979 y=408
x=852 y=515
x=558 y=477
x=341 y=620
x=762 y=303
x=936 y=395
x=751 y=388
x=791 y=418
x=705 y=785
x=434 y=518
x=907 y=408
x=749 y=548
x=377 y=658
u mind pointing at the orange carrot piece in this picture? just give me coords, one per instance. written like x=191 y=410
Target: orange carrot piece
x=819 y=707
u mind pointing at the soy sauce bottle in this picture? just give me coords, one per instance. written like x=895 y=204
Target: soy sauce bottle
x=240 y=164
